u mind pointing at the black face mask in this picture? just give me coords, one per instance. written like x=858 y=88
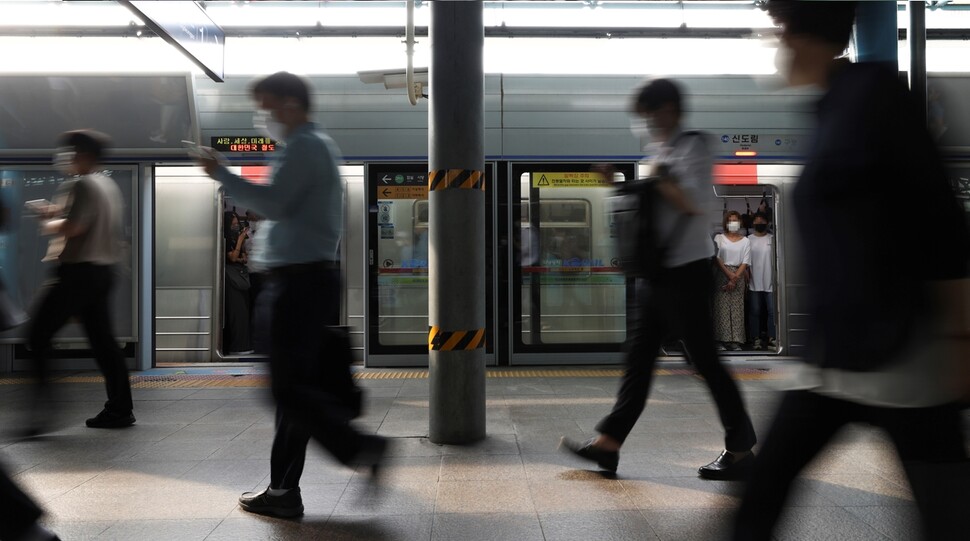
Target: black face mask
x=760 y=228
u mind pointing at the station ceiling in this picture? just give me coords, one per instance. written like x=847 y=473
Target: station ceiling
x=947 y=19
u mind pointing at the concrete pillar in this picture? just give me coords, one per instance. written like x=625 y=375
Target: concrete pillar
x=456 y=199
x=877 y=33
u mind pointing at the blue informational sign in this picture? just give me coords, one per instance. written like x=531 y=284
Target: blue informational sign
x=185 y=25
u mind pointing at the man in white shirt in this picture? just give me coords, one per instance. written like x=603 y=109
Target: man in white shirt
x=90 y=222
x=678 y=302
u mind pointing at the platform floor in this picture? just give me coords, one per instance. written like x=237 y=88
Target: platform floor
x=203 y=437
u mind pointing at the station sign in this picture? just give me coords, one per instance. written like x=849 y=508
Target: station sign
x=235 y=144
x=402 y=185
x=578 y=179
x=755 y=144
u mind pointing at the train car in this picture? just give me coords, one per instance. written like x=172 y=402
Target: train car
x=555 y=294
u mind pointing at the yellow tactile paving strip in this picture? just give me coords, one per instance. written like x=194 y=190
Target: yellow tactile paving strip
x=193 y=381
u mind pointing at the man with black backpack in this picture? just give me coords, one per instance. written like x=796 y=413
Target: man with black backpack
x=673 y=299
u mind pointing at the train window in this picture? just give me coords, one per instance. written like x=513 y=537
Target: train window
x=564 y=213
x=569 y=294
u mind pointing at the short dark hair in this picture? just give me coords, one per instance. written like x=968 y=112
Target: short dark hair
x=657 y=93
x=90 y=142
x=761 y=215
x=284 y=84
x=830 y=21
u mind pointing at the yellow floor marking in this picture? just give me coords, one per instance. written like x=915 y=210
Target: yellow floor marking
x=173 y=381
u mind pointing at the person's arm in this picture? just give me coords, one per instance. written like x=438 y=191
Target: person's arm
x=717 y=257
x=738 y=276
x=297 y=170
x=690 y=159
x=79 y=216
x=236 y=255
x=745 y=260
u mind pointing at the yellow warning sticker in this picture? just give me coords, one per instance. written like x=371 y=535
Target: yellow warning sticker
x=559 y=179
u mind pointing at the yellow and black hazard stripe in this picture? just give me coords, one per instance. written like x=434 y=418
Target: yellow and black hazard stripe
x=439 y=340
x=444 y=179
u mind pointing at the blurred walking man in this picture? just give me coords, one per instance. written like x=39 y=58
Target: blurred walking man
x=889 y=347
x=87 y=213
x=303 y=208
x=677 y=301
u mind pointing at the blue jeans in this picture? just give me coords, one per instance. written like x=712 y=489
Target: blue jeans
x=761 y=315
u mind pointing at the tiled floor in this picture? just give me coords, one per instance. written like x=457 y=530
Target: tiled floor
x=177 y=473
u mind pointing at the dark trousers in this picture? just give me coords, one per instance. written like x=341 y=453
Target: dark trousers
x=82 y=290
x=238 y=335
x=678 y=304
x=761 y=315
x=17 y=511
x=304 y=301
x=928 y=440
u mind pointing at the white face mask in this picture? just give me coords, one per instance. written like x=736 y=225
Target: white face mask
x=734 y=227
x=264 y=122
x=640 y=128
x=784 y=59
x=64 y=159
x=645 y=130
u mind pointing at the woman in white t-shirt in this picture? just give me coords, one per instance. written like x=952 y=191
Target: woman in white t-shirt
x=761 y=302
x=733 y=259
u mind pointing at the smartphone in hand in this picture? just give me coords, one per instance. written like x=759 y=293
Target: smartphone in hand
x=194 y=149
x=38 y=207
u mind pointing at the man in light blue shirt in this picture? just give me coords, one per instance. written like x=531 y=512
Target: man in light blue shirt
x=303 y=206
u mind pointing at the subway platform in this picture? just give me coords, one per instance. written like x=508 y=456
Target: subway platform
x=203 y=437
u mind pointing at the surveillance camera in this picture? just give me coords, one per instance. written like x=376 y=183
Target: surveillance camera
x=395 y=78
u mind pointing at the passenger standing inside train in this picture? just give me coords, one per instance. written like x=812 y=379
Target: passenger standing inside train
x=732 y=259
x=890 y=346
x=761 y=300
x=303 y=204
x=237 y=339
x=678 y=302
x=90 y=222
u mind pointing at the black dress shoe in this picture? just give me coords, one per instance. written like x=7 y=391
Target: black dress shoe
x=607 y=460
x=107 y=419
x=726 y=467
x=373 y=454
x=287 y=505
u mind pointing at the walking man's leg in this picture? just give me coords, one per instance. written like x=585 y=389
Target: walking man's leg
x=51 y=313
x=694 y=291
x=804 y=423
x=930 y=443
x=117 y=411
x=647 y=333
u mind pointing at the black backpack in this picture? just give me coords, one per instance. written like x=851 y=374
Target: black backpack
x=640 y=250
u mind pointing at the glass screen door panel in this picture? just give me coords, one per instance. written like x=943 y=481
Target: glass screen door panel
x=571 y=294
x=397 y=222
